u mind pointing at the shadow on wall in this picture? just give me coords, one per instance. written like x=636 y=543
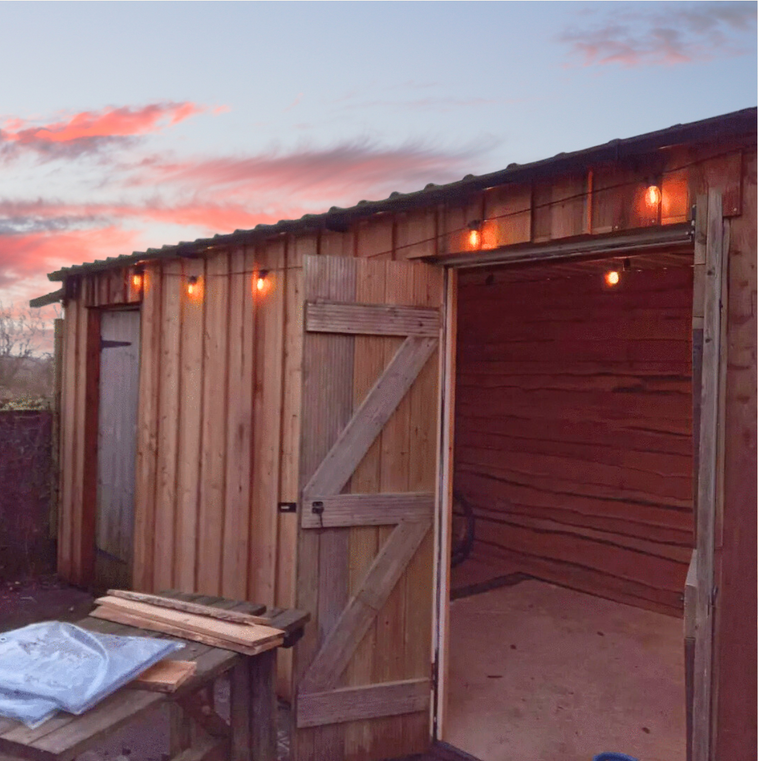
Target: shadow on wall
x=27 y=538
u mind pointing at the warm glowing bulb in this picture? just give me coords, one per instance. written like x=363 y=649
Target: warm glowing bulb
x=612 y=277
x=473 y=238
x=137 y=280
x=192 y=286
x=260 y=283
x=653 y=195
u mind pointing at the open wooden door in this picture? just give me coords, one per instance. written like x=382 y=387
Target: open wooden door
x=369 y=430
x=116 y=447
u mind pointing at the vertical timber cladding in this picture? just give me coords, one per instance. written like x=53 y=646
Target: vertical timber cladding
x=216 y=420
x=368 y=464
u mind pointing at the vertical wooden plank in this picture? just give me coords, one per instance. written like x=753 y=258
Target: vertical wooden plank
x=213 y=448
x=416 y=234
x=454 y=225
x=330 y=243
x=290 y=446
x=239 y=429
x=55 y=480
x=269 y=309
x=508 y=215
x=68 y=428
x=735 y=652
x=340 y=281
x=374 y=238
x=190 y=465
x=89 y=477
x=369 y=363
x=322 y=560
x=78 y=495
x=388 y=661
x=444 y=498
x=168 y=425
x=147 y=432
x=419 y=578
x=708 y=480
x=698 y=311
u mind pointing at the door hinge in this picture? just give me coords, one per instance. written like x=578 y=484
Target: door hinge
x=107 y=344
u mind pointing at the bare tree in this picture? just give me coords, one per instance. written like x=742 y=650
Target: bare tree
x=20 y=332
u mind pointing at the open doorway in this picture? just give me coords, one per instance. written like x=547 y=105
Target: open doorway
x=573 y=453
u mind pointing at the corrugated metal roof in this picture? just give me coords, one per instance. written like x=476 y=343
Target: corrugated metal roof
x=718 y=127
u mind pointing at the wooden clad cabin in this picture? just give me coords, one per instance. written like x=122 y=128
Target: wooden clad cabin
x=282 y=414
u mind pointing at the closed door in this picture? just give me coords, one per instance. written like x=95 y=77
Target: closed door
x=117 y=447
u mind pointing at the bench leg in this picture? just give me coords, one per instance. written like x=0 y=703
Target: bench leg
x=179 y=730
x=263 y=708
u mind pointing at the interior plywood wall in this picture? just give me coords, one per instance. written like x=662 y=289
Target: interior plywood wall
x=573 y=428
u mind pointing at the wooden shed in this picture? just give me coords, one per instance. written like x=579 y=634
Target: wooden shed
x=283 y=414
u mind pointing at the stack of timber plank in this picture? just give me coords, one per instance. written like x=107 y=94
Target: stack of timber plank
x=230 y=630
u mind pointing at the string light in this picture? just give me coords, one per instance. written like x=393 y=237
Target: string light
x=651 y=189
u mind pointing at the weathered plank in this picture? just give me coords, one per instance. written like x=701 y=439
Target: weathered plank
x=371 y=319
x=190 y=465
x=147 y=433
x=267 y=411
x=244 y=633
x=187 y=607
x=239 y=430
x=369 y=702
x=366 y=509
x=169 y=402
x=709 y=480
x=213 y=449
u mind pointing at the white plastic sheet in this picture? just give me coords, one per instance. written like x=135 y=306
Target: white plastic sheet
x=56 y=666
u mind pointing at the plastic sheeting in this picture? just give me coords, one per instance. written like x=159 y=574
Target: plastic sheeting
x=56 y=666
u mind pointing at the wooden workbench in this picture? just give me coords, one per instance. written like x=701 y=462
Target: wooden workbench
x=197 y=731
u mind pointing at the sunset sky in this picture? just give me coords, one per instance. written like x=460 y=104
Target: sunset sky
x=129 y=125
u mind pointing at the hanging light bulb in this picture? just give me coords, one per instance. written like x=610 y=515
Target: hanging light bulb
x=653 y=195
x=137 y=279
x=260 y=281
x=475 y=233
x=192 y=285
x=612 y=277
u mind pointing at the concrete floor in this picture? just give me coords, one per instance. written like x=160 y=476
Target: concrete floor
x=542 y=673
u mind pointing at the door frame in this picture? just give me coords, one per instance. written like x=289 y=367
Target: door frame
x=708 y=239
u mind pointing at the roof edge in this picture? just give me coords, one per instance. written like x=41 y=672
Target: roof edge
x=731 y=125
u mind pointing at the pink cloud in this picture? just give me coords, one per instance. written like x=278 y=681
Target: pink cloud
x=316 y=178
x=86 y=131
x=683 y=33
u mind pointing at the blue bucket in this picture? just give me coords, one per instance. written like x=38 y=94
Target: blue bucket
x=614 y=757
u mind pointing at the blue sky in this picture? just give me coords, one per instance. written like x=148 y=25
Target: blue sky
x=128 y=125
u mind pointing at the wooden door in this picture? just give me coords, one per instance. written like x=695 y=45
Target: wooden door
x=369 y=430
x=116 y=446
